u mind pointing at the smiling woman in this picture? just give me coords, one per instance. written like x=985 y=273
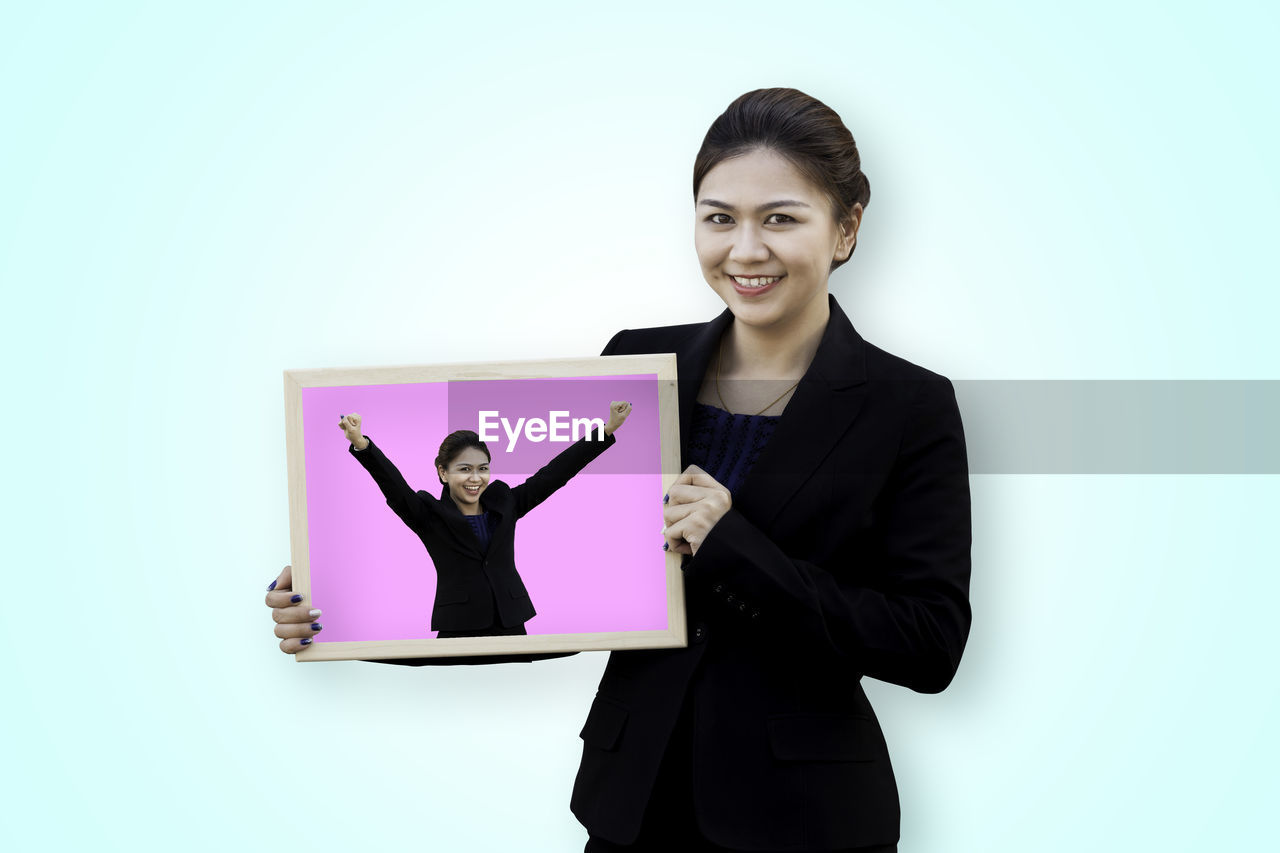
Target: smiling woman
x=763 y=227
x=470 y=530
x=823 y=511
x=825 y=515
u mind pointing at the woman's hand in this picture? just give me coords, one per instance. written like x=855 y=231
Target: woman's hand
x=693 y=505
x=294 y=617
x=350 y=425
x=618 y=412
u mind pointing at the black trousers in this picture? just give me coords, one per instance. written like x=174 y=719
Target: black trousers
x=491 y=631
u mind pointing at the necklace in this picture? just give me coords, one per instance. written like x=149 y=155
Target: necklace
x=719 y=358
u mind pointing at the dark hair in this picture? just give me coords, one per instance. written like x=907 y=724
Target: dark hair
x=456 y=442
x=798 y=127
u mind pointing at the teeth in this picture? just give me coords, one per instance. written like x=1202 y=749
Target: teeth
x=759 y=281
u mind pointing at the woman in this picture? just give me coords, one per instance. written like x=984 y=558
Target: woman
x=470 y=531
x=824 y=512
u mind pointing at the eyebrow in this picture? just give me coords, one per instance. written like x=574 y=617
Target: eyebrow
x=786 y=202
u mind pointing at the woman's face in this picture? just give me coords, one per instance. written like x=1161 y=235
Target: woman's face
x=467 y=477
x=766 y=239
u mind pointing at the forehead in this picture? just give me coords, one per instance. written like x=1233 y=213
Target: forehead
x=471 y=456
x=758 y=176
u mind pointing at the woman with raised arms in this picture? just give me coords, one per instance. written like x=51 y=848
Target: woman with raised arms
x=470 y=530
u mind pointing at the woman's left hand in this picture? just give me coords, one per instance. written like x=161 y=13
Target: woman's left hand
x=694 y=503
x=618 y=412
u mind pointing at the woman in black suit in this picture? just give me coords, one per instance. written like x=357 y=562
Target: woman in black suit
x=470 y=530
x=824 y=515
x=824 y=512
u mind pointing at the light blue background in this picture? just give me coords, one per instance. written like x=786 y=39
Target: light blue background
x=195 y=197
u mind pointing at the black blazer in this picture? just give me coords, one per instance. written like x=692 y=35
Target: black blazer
x=846 y=553
x=468 y=582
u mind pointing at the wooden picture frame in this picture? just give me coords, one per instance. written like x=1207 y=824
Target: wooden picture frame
x=590 y=555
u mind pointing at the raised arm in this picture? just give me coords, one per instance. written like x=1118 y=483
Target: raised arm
x=568 y=462
x=403 y=500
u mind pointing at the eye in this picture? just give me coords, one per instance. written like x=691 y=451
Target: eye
x=778 y=219
x=720 y=219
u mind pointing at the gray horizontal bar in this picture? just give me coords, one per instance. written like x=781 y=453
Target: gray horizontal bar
x=1121 y=426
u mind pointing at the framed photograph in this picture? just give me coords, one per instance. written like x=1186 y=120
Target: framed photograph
x=500 y=508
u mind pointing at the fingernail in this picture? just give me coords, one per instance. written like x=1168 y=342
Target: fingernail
x=666 y=498
x=306 y=641
x=272 y=586
x=296 y=599
x=314 y=613
x=315 y=626
x=666 y=546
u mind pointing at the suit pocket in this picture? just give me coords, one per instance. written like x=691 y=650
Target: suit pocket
x=604 y=725
x=825 y=737
x=454 y=597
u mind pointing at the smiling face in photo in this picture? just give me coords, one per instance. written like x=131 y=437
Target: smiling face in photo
x=467 y=477
x=766 y=238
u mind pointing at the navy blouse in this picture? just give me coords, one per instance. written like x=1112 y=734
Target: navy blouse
x=726 y=445
x=482 y=526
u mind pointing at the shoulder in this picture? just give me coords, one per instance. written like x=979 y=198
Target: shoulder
x=882 y=364
x=654 y=339
x=906 y=385
x=498 y=491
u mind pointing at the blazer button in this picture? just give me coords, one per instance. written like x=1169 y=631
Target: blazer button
x=699 y=634
x=742 y=606
x=718 y=588
x=755 y=614
x=729 y=597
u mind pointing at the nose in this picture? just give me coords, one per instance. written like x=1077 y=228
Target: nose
x=748 y=247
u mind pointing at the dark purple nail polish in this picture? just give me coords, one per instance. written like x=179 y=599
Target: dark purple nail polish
x=306 y=641
x=666 y=498
x=296 y=599
x=315 y=626
x=272 y=586
x=666 y=546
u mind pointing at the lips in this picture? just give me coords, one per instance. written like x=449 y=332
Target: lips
x=755 y=285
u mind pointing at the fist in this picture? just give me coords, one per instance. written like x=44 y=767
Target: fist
x=619 y=410
x=350 y=425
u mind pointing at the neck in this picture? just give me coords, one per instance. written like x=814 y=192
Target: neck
x=783 y=350
x=465 y=509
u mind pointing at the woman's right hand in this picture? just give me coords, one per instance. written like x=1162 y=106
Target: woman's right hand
x=350 y=425
x=294 y=617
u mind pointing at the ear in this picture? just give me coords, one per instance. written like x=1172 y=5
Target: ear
x=441 y=473
x=848 y=233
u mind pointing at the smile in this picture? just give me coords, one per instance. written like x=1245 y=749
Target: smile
x=755 y=281
x=472 y=490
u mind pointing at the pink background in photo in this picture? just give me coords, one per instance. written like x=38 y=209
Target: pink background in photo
x=590 y=555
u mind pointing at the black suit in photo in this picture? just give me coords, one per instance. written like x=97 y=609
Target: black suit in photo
x=470 y=582
x=845 y=554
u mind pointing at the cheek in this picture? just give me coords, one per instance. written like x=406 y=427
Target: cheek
x=708 y=248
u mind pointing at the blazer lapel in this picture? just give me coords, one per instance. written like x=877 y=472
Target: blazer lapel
x=464 y=537
x=823 y=407
x=692 y=361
